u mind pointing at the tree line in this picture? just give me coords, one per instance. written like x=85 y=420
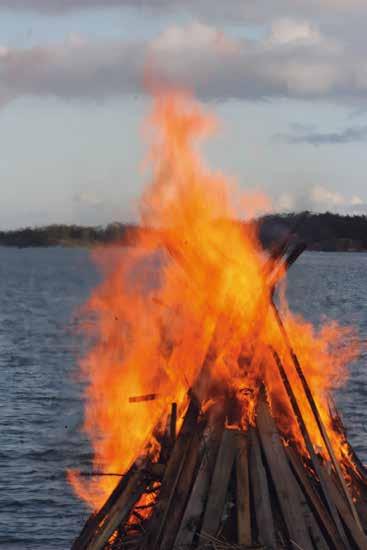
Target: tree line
x=326 y=232
x=69 y=235
x=320 y=231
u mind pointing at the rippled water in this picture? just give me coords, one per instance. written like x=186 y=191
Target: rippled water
x=40 y=405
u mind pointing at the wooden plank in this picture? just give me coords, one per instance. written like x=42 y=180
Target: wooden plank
x=243 y=492
x=316 y=413
x=291 y=500
x=119 y=512
x=173 y=422
x=195 y=506
x=182 y=491
x=172 y=474
x=314 y=500
x=356 y=469
x=219 y=484
x=316 y=535
x=358 y=536
x=141 y=398
x=96 y=518
x=341 y=536
x=260 y=493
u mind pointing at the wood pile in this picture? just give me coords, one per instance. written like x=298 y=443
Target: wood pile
x=226 y=488
x=219 y=487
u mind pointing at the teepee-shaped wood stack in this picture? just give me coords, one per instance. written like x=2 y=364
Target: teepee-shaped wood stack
x=215 y=486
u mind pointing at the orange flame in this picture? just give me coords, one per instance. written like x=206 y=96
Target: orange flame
x=195 y=282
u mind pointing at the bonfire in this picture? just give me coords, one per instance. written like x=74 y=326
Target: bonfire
x=208 y=402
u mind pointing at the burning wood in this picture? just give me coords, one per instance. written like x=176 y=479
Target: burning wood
x=141 y=398
x=249 y=453
x=250 y=486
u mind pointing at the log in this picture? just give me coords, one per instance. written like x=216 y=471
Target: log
x=243 y=492
x=291 y=500
x=261 y=497
x=195 y=506
x=219 y=484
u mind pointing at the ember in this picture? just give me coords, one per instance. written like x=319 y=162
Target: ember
x=252 y=453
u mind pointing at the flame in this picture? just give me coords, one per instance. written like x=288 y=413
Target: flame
x=195 y=289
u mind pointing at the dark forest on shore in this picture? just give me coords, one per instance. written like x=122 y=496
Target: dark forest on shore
x=324 y=232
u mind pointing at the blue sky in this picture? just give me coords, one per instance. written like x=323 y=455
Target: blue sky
x=289 y=85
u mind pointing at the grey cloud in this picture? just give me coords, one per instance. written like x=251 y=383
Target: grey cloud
x=56 y=7
x=352 y=134
x=197 y=57
x=67 y=71
x=234 y=10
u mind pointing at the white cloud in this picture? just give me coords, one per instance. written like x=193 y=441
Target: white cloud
x=88 y=198
x=284 y=202
x=356 y=201
x=178 y=38
x=325 y=198
x=289 y=31
x=319 y=198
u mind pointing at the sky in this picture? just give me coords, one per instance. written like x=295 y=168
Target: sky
x=287 y=81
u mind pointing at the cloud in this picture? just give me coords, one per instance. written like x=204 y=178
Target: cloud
x=319 y=198
x=288 y=31
x=74 y=69
x=235 y=9
x=295 y=60
x=89 y=199
x=352 y=134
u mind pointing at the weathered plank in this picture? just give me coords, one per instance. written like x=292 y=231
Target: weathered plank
x=358 y=536
x=314 y=500
x=340 y=535
x=291 y=500
x=260 y=493
x=219 y=484
x=316 y=535
x=173 y=422
x=356 y=470
x=316 y=414
x=176 y=508
x=95 y=519
x=195 y=506
x=243 y=491
x=361 y=506
x=172 y=475
x=119 y=512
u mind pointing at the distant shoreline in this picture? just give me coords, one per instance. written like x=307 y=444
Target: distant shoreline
x=321 y=232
